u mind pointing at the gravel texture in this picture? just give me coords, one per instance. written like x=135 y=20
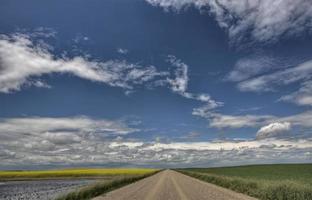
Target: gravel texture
x=171 y=185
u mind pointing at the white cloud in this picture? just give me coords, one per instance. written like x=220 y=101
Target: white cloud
x=260 y=74
x=122 y=51
x=22 y=62
x=219 y=120
x=179 y=84
x=62 y=137
x=268 y=82
x=254 y=65
x=273 y=130
x=303 y=119
x=259 y=20
x=238 y=121
x=220 y=145
x=42 y=140
x=47 y=126
x=301 y=97
x=59 y=149
x=192 y=134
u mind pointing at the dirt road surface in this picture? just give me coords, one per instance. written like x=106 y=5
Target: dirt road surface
x=171 y=185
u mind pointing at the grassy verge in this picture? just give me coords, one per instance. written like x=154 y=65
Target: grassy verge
x=267 y=182
x=99 y=188
x=71 y=173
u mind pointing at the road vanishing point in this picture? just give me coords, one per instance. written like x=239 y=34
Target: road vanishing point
x=172 y=185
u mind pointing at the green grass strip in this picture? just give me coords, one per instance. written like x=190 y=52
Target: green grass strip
x=261 y=190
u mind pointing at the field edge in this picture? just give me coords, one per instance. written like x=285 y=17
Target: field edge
x=91 y=191
x=282 y=191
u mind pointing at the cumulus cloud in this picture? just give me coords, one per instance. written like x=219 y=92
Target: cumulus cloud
x=22 y=62
x=258 y=20
x=82 y=140
x=138 y=153
x=85 y=141
x=273 y=130
x=43 y=140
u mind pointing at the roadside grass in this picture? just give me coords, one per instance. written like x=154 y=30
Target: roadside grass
x=99 y=188
x=266 y=182
x=72 y=173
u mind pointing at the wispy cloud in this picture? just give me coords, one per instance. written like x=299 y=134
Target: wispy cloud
x=251 y=66
x=122 y=51
x=256 y=20
x=270 y=125
x=23 y=62
x=219 y=120
x=268 y=74
x=179 y=84
x=268 y=82
x=301 y=97
x=39 y=125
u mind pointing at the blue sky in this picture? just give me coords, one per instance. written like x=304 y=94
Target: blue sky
x=154 y=83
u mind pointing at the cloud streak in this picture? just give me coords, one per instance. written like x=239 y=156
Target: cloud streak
x=268 y=82
x=179 y=85
x=302 y=97
x=257 y=20
x=22 y=62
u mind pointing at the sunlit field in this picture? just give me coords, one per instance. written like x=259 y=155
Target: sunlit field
x=284 y=181
x=73 y=173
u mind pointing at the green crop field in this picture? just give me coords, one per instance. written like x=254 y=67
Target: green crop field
x=276 y=182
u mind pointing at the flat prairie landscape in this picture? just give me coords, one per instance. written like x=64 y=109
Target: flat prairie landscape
x=59 y=184
x=155 y=100
x=267 y=182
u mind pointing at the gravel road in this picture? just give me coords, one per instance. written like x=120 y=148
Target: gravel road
x=171 y=185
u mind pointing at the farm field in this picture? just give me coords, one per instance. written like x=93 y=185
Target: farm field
x=71 y=173
x=282 y=181
x=52 y=184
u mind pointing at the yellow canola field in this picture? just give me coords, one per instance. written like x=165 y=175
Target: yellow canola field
x=74 y=172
